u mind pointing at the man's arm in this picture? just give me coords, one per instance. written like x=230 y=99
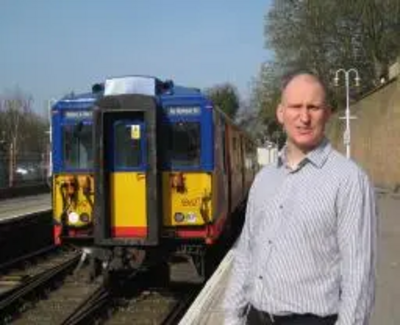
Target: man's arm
x=235 y=301
x=357 y=232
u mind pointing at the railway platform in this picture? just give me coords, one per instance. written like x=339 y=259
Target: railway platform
x=207 y=308
x=22 y=206
x=26 y=225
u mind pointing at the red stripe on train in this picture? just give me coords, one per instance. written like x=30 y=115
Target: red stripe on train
x=128 y=232
x=210 y=232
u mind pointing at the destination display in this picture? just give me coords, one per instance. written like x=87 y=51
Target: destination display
x=78 y=114
x=183 y=110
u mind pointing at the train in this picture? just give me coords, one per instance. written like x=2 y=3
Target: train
x=159 y=171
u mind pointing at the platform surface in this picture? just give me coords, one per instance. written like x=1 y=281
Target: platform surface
x=19 y=207
x=207 y=308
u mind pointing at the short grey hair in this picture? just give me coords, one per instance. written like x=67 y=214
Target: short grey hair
x=288 y=77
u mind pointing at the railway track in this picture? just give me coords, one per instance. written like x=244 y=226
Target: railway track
x=55 y=288
x=141 y=300
x=49 y=288
x=22 y=281
x=66 y=303
x=152 y=306
x=18 y=261
x=55 y=291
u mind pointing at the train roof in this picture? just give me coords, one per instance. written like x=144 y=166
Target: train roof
x=182 y=91
x=77 y=101
x=147 y=85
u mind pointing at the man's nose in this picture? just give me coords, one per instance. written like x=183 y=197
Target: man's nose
x=305 y=115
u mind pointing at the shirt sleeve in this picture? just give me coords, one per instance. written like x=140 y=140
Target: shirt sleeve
x=357 y=235
x=235 y=300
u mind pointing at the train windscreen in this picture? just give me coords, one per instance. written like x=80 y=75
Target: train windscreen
x=78 y=147
x=183 y=144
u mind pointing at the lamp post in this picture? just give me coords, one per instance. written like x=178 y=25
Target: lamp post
x=347 y=132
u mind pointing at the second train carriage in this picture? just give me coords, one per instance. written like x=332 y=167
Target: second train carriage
x=170 y=168
x=72 y=166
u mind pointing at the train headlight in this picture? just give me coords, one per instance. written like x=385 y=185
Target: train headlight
x=84 y=217
x=191 y=217
x=73 y=217
x=179 y=217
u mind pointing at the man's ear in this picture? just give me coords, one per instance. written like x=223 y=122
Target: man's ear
x=279 y=113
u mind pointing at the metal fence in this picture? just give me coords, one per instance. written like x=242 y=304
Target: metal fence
x=24 y=169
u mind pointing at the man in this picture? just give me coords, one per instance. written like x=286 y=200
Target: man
x=306 y=254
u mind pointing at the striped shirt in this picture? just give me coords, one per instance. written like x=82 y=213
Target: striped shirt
x=308 y=244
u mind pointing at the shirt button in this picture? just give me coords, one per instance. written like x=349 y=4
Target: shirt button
x=270 y=242
x=260 y=277
x=281 y=206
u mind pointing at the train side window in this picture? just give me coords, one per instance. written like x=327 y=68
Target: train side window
x=128 y=150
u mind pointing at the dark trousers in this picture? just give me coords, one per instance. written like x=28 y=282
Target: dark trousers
x=256 y=317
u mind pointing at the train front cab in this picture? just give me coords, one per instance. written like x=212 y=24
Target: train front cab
x=72 y=175
x=154 y=174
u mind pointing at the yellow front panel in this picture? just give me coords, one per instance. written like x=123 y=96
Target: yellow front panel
x=188 y=194
x=128 y=202
x=73 y=194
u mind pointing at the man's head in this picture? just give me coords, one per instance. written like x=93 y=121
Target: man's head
x=303 y=111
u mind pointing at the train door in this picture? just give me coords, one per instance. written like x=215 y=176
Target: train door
x=128 y=179
x=128 y=211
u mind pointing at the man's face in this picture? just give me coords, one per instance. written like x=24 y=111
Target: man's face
x=303 y=112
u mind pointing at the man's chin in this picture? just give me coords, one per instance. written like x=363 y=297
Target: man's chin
x=307 y=145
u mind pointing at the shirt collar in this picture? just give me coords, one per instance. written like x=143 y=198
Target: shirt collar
x=317 y=156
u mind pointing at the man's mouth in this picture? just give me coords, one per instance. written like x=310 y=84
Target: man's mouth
x=304 y=131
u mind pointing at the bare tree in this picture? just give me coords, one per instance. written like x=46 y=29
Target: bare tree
x=21 y=130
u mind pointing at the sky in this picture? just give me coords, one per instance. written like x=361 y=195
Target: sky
x=49 y=48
